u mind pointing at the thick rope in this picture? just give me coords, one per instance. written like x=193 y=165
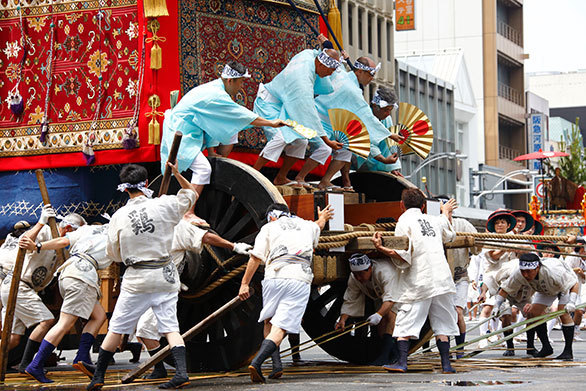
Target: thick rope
x=489 y=235
x=351 y=235
x=529 y=242
x=523 y=249
x=216 y=283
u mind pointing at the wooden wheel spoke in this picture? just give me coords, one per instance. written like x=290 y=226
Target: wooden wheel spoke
x=223 y=223
x=220 y=200
x=238 y=227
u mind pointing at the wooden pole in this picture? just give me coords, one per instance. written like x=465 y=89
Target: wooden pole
x=172 y=158
x=61 y=257
x=9 y=317
x=198 y=328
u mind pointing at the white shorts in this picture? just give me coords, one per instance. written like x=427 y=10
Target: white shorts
x=472 y=294
x=79 y=298
x=284 y=302
x=202 y=170
x=540 y=298
x=461 y=297
x=29 y=310
x=130 y=307
x=272 y=151
x=321 y=153
x=147 y=326
x=233 y=140
x=342 y=155
x=441 y=312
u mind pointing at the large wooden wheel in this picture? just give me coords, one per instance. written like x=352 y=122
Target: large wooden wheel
x=234 y=205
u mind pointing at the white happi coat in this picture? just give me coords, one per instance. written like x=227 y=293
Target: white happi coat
x=576 y=262
x=519 y=294
x=38 y=268
x=380 y=286
x=555 y=277
x=186 y=237
x=142 y=232
x=461 y=256
x=426 y=272
x=88 y=241
x=8 y=252
x=492 y=266
x=287 y=236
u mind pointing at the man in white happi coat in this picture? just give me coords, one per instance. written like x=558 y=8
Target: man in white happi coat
x=140 y=235
x=373 y=278
x=9 y=251
x=37 y=272
x=461 y=257
x=79 y=285
x=186 y=237
x=499 y=222
x=425 y=285
x=285 y=246
x=577 y=263
x=551 y=279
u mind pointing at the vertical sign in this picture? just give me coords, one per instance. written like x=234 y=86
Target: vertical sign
x=537 y=136
x=404 y=15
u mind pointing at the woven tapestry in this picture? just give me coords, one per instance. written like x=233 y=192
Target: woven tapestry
x=263 y=36
x=76 y=65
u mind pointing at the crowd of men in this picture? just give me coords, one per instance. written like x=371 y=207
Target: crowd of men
x=411 y=285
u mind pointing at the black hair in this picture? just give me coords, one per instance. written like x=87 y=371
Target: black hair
x=529 y=257
x=277 y=206
x=237 y=66
x=363 y=60
x=18 y=231
x=387 y=94
x=413 y=198
x=133 y=174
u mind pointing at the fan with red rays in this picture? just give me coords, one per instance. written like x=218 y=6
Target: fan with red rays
x=415 y=128
x=350 y=131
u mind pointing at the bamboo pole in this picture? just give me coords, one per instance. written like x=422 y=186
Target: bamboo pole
x=61 y=256
x=9 y=317
x=192 y=332
x=172 y=158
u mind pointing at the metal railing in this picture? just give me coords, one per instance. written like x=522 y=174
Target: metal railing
x=507 y=152
x=509 y=32
x=510 y=94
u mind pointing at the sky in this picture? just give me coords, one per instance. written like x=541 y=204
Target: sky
x=555 y=35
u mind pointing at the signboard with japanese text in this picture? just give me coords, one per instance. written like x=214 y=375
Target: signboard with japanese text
x=404 y=15
x=537 y=134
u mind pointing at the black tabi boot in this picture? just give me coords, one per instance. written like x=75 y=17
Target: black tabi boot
x=266 y=349
x=444 y=349
x=546 y=348
x=135 y=348
x=180 y=379
x=510 y=344
x=531 y=351
x=159 y=371
x=31 y=348
x=294 y=341
x=277 y=371
x=388 y=352
x=97 y=382
x=460 y=339
x=401 y=364
x=567 y=354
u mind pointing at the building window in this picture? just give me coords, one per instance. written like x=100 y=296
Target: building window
x=350 y=29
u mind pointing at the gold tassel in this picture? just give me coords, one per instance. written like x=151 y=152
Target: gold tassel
x=156 y=56
x=157 y=133
x=152 y=130
x=154 y=8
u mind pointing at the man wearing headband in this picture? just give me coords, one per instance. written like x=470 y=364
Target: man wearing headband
x=347 y=95
x=37 y=272
x=372 y=278
x=290 y=95
x=425 y=286
x=285 y=246
x=577 y=263
x=208 y=114
x=140 y=235
x=551 y=279
x=79 y=285
x=187 y=238
x=9 y=250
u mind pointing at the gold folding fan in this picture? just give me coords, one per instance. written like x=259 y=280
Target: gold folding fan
x=350 y=131
x=302 y=130
x=416 y=130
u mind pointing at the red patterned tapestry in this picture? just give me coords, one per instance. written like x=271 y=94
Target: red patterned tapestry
x=92 y=82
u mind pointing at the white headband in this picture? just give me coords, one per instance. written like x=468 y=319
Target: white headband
x=328 y=61
x=371 y=70
x=377 y=100
x=277 y=214
x=528 y=265
x=359 y=262
x=231 y=73
x=140 y=186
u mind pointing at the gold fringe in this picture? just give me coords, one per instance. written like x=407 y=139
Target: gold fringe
x=156 y=56
x=155 y=8
x=154 y=131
